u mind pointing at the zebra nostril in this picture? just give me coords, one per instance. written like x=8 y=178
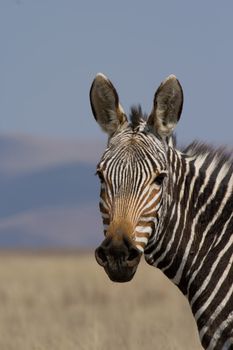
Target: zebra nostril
x=100 y=256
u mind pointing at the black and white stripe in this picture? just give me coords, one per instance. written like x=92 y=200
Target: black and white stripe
x=188 y=234
x=178 y=205
x=126 y=169
x=194 y=245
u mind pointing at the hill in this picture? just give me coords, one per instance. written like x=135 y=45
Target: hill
x=49 y=194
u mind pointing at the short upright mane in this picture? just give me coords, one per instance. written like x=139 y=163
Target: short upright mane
x=196 y=148
x=137 y=116
x=199 y=148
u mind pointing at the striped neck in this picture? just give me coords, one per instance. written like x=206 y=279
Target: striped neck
x=194 y=242
x=166 y=248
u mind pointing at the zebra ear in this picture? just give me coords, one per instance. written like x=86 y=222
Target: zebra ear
x=105 y=105
x=168 y=102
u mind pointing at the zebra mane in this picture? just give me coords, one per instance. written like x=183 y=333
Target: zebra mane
x=137 y=116
x=221 y=154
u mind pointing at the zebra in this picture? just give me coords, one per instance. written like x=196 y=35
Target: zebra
x=174 y=206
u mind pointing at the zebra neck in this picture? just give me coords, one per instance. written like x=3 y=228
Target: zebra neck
x=167 y=249
x=194 y=242
x=189 y=229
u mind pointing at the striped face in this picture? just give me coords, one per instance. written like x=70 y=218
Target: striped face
x=132 y=172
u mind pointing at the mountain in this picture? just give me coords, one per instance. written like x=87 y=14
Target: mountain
x=49 y=194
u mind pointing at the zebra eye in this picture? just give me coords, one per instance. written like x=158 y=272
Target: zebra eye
x=159 y=179
x=100 y=175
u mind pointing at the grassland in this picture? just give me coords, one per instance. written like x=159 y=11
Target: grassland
x=66 y=302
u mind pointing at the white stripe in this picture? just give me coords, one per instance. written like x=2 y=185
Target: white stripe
x=143 y=229
x=148 y=219
x=208 y=173
x=184 y=214
x=216 y=312
x=219 y=331
x=174 y=211
x=208 y=278
x=153 y=200
x=220 y=176
x=228 y=343
x=211 y=223
x=203 y=260
x=162 y=256
x=141 y=239
x=103 y=203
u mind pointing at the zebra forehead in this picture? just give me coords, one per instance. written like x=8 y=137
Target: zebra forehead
x=136 y=139
x=133 y=147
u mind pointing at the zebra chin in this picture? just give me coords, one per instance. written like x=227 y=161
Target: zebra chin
x=120 y=276
x=119 y=259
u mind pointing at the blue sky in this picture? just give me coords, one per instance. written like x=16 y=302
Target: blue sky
x=52 y=49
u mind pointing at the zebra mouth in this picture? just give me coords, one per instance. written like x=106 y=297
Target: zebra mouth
x=120 y=271
x=119 y=262
x=120 y=276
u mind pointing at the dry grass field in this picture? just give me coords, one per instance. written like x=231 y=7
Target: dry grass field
x=66 y=302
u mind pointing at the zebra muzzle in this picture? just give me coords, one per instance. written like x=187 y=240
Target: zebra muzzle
x=119 y=259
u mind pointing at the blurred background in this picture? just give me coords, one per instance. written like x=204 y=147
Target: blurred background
x=49 y=141
x=50 y=51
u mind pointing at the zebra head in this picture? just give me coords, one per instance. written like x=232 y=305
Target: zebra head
x=133 y=172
